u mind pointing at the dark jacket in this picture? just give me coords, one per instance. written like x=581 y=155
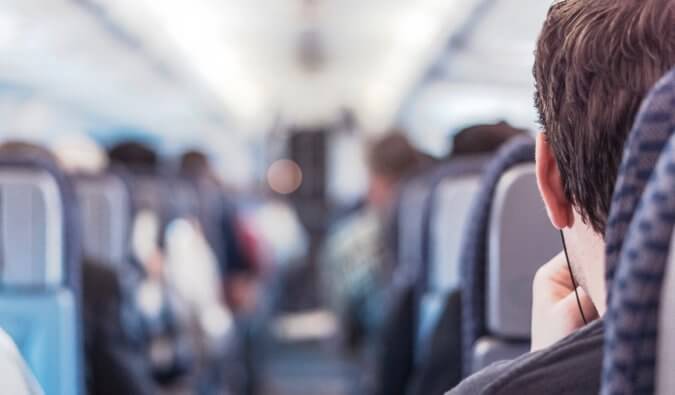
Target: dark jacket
x=572 y=366
x=114 y=363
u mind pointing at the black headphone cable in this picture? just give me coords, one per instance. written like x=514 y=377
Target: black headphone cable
x=574 y=283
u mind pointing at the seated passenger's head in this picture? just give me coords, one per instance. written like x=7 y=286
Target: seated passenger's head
x=134 y=155
x=194 y=163
x=483 y=139
x=595 y=62
x=389 y=159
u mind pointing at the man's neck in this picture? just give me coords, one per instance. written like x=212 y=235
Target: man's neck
x=587 y=257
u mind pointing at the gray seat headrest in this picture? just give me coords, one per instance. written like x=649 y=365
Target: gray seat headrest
x=411 y=221
x=451 y=213
x=521 y=239
x=31 y=233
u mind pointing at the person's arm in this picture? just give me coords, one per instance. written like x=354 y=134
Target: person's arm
x=555 y=311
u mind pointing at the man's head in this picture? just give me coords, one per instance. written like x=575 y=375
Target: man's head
x=194 y=163
x=595 y=62
x=134 y=155
x=389 y=160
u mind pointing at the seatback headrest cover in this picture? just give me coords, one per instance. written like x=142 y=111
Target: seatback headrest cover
x=521 y=239
x=31 y=220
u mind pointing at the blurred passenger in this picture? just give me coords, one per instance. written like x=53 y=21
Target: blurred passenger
x=483 y=139
x=148 y=224
x=595 y=62
x=134 y=155
x=167 y=315
x=234 y=249
x=395 y=358
x=353 y=259
x=224 y=232
x=389 y=161
x=114 y=362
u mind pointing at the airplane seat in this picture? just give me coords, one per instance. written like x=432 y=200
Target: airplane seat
x=638 y=236
x=406 y=201
x=40 y=291
x=171 y=350
x=437 y=347
x=638 y=343
x=521 y=239
x=665 y=359
x=413 y=200
x=452 y=189
x=494 y=264
x=400 y=340
x=106 y=213
x=106 y=209
x=396 y=357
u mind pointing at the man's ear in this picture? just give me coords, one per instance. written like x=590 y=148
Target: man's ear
x=560 y=210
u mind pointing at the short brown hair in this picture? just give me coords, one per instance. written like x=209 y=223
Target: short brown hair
x=194 y=163
x=393 y=156
x=595 y=62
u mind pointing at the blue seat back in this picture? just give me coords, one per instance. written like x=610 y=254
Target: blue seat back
x=638 y=235
x=633 y=314
x=665 y=359
x=39 y=276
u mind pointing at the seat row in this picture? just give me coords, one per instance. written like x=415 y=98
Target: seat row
x=471 y=235
x=64 y=236
x=459 y=302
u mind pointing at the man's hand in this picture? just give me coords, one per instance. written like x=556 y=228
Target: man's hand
x=555 y=312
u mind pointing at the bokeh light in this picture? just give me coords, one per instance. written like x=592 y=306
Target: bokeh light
x=284 y=176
